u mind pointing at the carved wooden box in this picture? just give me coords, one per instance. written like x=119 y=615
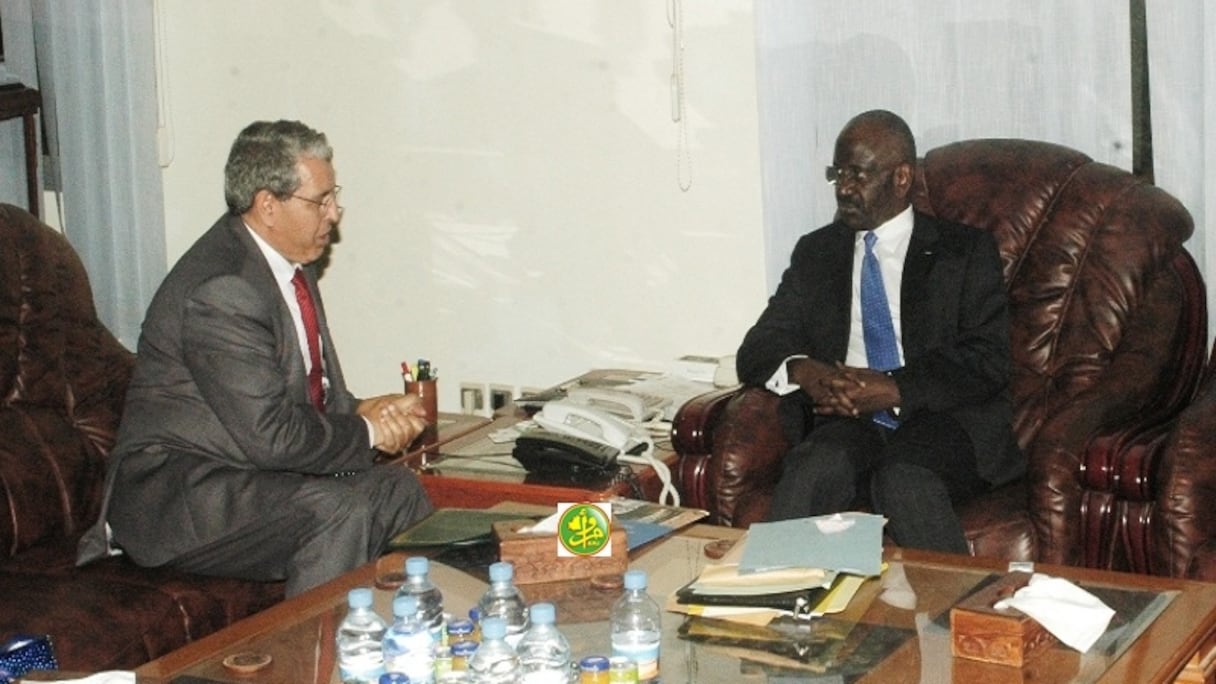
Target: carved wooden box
x=979 y=631
x=536 y=560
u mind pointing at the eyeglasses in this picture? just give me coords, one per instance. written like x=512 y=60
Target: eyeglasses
x=328 y=201
x=837 y=175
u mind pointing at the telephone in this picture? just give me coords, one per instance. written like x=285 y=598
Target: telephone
x=577 y=437
x=617 y=402
x=544 y=451
x=585 y=421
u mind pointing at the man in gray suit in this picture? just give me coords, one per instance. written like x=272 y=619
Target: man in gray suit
x=241 y=452
x=895 y=373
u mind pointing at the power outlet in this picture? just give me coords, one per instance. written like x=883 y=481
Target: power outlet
x=472 y=399
x=501 y=396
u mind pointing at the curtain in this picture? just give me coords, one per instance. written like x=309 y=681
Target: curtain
x=1182 y=82
x=96 y=70
x=953 y=69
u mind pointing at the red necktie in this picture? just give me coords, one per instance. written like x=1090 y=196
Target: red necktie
x=308 y=312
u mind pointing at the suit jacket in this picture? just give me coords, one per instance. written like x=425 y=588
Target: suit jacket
x=218 y=427
x=955 y=329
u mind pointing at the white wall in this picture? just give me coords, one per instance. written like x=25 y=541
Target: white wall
x=509 y=171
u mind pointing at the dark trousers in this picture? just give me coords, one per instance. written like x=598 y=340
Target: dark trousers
x=914 y=475
x=329 y=526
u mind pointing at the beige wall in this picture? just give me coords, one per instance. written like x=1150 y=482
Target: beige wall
x=509 y=169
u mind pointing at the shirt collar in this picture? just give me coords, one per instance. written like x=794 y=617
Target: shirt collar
x=897 y=229
x=282 y=269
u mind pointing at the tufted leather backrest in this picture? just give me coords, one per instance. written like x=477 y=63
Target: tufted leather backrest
x=63 y=378
x=1107 y=317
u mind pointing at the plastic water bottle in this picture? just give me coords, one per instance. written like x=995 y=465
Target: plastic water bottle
x=503 y=599
x=360 y=658
x=494 y=661
x=636 y=628
x=544 y=653
x=430 y=601
x=408 y=646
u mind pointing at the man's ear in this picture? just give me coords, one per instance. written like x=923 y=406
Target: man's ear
x=265 y=207
x=902 y=177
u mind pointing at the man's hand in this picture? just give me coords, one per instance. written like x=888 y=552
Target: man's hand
x=397 y=419
x=854 y=391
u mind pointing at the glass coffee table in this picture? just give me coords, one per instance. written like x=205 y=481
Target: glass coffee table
x=896 y=629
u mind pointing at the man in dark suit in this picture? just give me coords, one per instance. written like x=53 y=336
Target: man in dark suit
x=893 y=358
x=241 y=452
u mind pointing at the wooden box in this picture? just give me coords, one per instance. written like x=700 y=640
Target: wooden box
x=979 y=631
x=535 y=556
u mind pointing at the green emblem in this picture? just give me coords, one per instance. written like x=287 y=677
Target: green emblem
x=584 y=530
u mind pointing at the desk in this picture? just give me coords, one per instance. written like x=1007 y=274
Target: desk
x=20 y=101
x=454 y=479
x=298 y=633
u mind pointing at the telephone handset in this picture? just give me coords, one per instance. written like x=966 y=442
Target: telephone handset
x=587 y=422
x=616 y=402
x=573 y=438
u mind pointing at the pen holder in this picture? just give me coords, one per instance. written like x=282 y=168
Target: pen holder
x=428 y=392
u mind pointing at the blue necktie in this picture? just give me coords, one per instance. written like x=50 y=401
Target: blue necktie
x=882 y=351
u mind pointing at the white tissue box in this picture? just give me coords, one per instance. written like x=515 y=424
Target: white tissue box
x=978 y=631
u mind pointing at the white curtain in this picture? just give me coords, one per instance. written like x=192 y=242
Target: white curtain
x=954 y=69
x=95 y=67
x=1182 y=79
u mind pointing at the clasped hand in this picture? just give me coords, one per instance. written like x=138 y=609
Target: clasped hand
x=397 y=419
x=847 y=391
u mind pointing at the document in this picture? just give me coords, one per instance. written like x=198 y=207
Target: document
x=845 y=542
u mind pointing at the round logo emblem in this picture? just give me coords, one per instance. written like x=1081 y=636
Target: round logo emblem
x=584 y=529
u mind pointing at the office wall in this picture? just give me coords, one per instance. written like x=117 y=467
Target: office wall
x=510 y=173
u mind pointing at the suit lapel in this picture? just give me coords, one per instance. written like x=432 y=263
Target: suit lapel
x=288 y=345
x=915 y=293
x=836 y=268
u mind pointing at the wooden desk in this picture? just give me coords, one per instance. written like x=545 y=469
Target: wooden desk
x=452 y=478
x=20 y=101
x=461 y=488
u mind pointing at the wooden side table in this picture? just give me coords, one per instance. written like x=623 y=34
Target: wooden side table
x=21 y=101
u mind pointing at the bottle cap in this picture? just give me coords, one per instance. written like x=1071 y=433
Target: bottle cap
x=494 y=627
x=417 y=565
x=360 y=597
x=502 y=571
x=394 y=678
x=593 y=663
x=464 y=648
x=635 y=579
x=460 y=627
x=475 y=615
x=543 y=613
x=405 y=605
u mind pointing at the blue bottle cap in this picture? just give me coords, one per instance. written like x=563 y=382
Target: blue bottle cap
x=502 y=571
x=394 y=678
x=404 y=605
x=464 y=648
x=360 y=597
x=417 y=565
x=593 y=663
x=543 y=613
x=475 y=615
x=635 y=579
x=494 y=627
x=460 y=628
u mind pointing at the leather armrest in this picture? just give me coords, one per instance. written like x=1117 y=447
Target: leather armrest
x=692 y=439
x=748 y=445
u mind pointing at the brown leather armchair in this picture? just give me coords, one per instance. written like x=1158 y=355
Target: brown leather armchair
x=1108 y=330
x=63 y=378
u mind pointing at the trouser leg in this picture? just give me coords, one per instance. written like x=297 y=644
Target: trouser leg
x=821 y=474
x=927 y=468
x=328 y=526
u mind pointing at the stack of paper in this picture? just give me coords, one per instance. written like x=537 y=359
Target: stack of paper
x=806 y=568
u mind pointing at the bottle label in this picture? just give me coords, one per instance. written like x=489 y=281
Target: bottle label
x=646 y=655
